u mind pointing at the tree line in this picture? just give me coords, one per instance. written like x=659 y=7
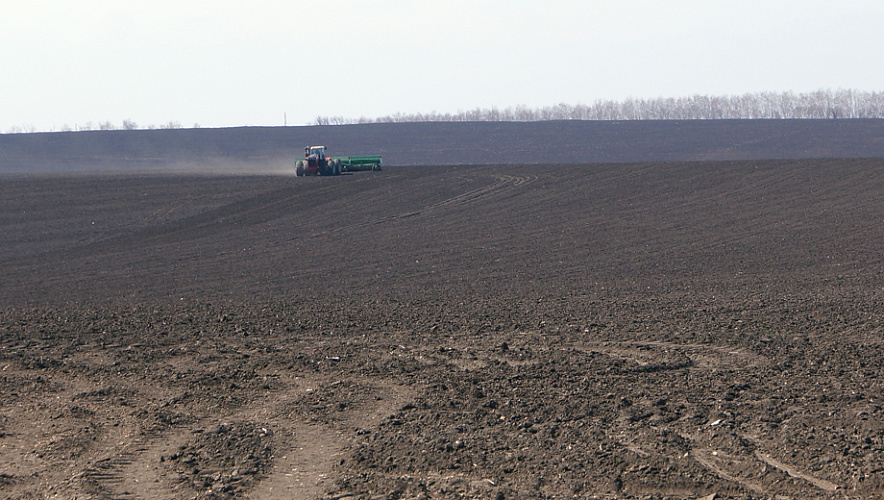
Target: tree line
x=105 y=125
x=821 y=104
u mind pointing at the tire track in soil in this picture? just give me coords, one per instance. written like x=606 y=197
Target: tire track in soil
x=748 y=469
x=739 y=468
x=468 y=197
x=136 y=472
x=305 y=469
x=653 y=353
x=794 y=472
x=719 y=462
x=304 y=453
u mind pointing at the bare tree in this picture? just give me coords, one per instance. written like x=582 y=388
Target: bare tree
x=820 y=104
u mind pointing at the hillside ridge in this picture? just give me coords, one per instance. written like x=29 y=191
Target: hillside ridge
x=245 y=149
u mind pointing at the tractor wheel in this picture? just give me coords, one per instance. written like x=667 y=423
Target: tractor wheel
x=299 y=169
x=337 y=167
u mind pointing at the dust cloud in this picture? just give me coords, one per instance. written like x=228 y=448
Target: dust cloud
x=207 y=166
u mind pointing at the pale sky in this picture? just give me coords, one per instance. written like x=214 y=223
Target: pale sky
x=225 y=63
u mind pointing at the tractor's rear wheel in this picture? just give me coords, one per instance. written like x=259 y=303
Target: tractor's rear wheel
x=337 y=167
x=299 y=169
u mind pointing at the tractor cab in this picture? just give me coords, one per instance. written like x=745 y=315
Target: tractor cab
x=318 y=151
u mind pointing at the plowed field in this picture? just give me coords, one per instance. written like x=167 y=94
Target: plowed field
x=661 y=330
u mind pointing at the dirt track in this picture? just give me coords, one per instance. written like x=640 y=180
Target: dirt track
x=611 y=331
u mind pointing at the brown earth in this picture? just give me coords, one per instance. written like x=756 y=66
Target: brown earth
x=658 y=330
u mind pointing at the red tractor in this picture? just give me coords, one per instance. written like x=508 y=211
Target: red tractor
x=317 y=163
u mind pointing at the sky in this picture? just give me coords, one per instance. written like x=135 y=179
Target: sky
x=227 y=63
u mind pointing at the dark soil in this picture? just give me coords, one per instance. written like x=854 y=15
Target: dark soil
x=263 y=150
x=659 y=330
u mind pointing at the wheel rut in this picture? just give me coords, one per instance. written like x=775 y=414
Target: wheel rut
x=302 y=448
x=499 y=184
x=700 y=356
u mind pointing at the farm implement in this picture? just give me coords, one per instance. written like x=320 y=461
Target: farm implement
x=316 y=162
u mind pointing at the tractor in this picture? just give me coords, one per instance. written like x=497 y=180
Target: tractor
x=317 y=163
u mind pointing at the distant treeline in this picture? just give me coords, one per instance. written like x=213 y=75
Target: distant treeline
x=821 y=104
x=105 y=125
